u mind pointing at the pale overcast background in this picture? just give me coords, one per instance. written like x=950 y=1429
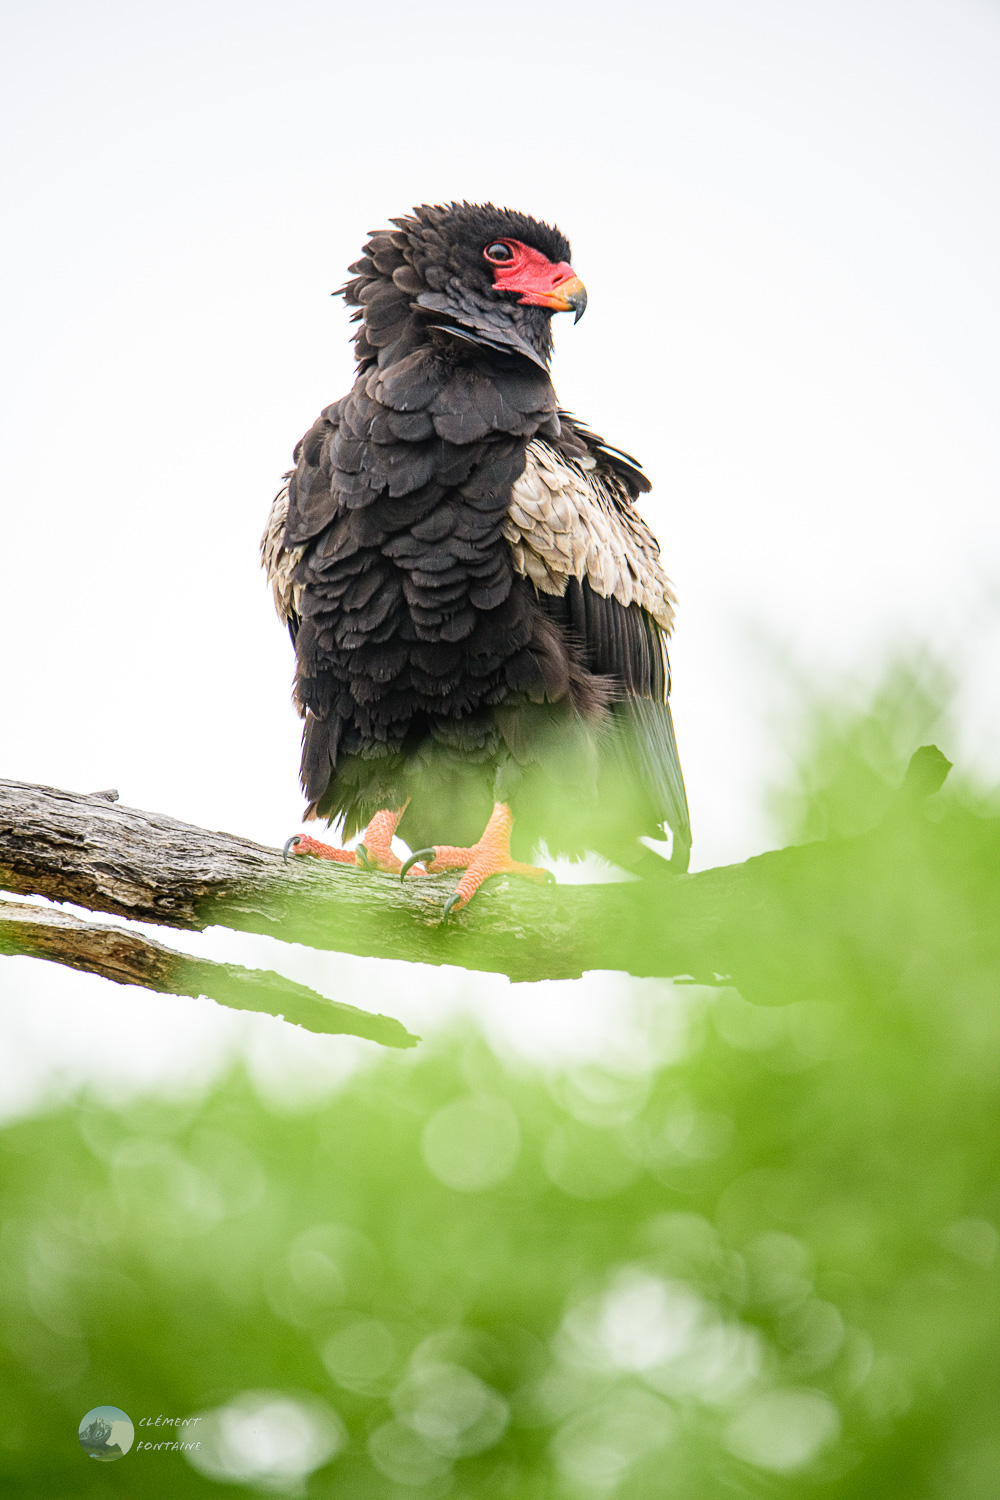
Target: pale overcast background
x=786 y=214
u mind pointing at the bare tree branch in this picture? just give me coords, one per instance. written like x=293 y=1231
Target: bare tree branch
x=745 y=921
x=110 y=858
x=129 y=958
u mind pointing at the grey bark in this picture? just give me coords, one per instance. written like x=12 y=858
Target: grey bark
x=129 y=958
x=740 y=920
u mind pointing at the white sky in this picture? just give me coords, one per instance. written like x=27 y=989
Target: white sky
x=787 y=218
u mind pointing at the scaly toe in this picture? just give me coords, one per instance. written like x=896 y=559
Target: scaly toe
x=300 y=844
x=484 y=869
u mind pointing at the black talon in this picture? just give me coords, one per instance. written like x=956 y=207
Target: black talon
x=415 y=859
x=296 y=838
x=364 y=859
x=449 y=906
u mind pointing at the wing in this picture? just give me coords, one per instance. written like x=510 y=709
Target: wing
x=574 y=518
x=279 y=562
x=575 y=533
x=305 y=500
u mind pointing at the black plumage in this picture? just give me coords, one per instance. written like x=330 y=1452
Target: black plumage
x=429 y=664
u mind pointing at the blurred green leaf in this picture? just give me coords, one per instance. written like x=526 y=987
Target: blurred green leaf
x=764 y=1265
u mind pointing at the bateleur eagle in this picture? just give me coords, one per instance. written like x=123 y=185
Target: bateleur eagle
x=478 y=610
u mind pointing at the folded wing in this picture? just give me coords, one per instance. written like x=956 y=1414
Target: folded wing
x=575 y=533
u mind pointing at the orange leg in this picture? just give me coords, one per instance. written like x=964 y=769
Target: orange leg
x=491 y=856
x=374 y=850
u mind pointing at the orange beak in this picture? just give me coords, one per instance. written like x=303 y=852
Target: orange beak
x=569 y=296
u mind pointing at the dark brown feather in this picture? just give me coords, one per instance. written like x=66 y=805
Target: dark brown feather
x=427 y=667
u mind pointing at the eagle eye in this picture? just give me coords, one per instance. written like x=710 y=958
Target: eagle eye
x=499 y=252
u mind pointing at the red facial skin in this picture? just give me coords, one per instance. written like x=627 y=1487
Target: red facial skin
x=541 y=282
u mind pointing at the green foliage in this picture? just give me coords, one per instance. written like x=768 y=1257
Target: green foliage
x=850 y=762
x=765 y=1267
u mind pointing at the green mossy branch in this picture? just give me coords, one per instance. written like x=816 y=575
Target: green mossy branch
x=794 y=913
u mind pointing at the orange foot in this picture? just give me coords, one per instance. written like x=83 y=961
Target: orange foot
x=491 y=856
x=374 y=851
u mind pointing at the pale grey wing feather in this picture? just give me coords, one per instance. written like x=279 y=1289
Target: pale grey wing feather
x=280 y=562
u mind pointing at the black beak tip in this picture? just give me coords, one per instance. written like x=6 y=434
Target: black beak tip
x=578 y=302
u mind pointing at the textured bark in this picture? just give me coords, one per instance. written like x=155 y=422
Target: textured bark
x=746 y=921
x=151 y=868
x=128 y=958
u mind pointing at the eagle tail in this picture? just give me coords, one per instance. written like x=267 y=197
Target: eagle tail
x=646 y=742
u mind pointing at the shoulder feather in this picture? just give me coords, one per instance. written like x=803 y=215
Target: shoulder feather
x=278 y=561
x=575 y=518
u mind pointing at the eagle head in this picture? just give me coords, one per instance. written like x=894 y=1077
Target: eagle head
x=463 y=271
